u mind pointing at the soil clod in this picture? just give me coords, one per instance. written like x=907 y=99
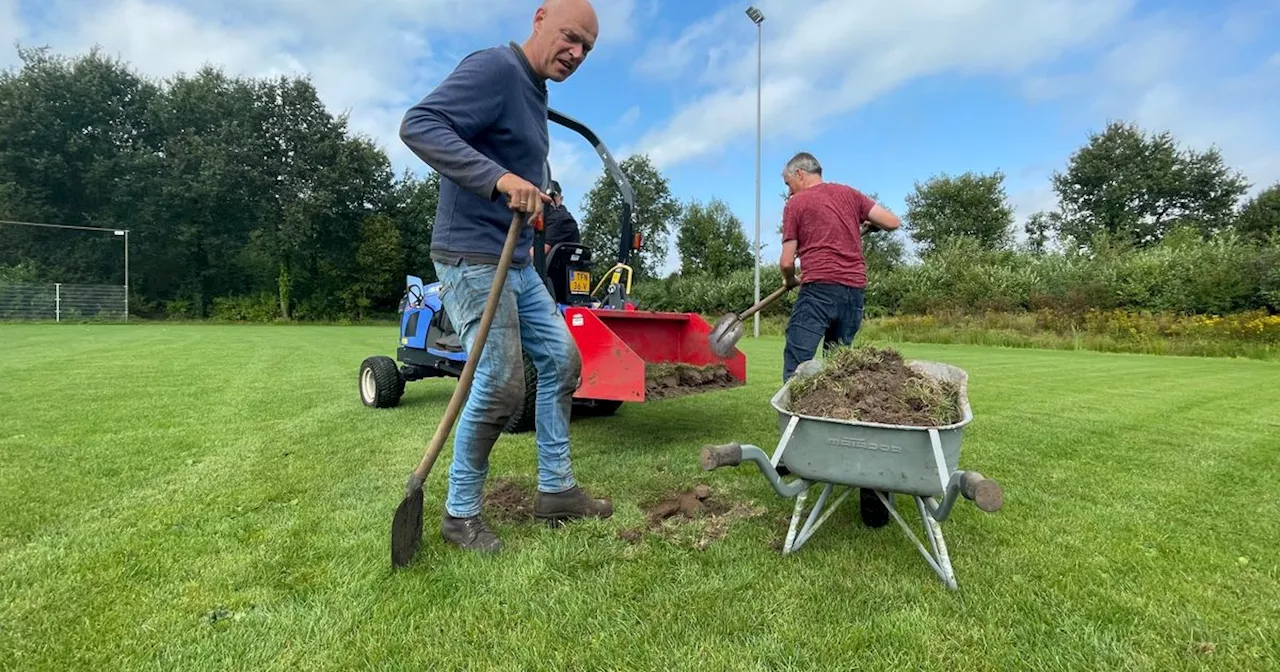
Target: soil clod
x=692 y=517
x=667 y=380
x=870 y=384
x=693 y=504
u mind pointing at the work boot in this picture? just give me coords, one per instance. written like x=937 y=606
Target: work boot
x=469 y=533
x=569 y=505
x=873 y=511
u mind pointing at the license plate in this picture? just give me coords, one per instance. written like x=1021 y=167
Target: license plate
x=580 y=282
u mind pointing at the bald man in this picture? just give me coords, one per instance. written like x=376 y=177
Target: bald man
x=484 y=129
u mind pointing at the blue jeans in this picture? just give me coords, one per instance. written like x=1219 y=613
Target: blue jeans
x=824 y=313
x=527 y=319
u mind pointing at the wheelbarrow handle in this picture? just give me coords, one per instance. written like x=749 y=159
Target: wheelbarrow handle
x=725 y=455
x=982 y=491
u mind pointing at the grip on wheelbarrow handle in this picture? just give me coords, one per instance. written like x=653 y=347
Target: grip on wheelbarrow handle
x=984 y=492
x=726 y=455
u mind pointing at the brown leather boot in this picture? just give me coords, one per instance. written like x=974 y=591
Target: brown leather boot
x=571 y=504
x=469 y=533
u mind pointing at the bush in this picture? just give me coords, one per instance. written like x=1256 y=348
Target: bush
x=263 y=307
x=1185 y=274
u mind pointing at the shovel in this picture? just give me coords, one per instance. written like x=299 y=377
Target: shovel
x=729 y=330
x=406 y=527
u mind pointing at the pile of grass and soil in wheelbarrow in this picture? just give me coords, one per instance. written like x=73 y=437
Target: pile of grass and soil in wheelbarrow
x=869 y=384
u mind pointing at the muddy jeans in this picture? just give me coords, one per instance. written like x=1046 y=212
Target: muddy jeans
x=824 y=313
x=527 y=316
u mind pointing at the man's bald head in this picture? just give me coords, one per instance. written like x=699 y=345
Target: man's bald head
x=564 y=32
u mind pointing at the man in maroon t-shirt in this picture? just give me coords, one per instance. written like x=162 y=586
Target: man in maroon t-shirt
x=822 y=224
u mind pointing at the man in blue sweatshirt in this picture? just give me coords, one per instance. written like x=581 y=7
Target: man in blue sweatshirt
x=484 y=129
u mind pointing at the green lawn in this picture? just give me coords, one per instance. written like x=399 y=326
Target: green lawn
x=205 y=497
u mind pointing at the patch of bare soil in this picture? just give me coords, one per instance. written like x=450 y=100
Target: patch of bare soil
x=870 y=384
x=667 y=380
x=508 y=501
x=692 y=517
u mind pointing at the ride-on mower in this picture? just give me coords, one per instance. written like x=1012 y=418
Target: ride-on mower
x=618 y=342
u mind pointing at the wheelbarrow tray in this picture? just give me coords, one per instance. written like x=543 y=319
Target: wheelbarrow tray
x=871 y=455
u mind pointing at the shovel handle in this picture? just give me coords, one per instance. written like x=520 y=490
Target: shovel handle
x=764 y=302
x=473 y=357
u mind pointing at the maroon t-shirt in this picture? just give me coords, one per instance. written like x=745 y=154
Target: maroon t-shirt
x=825 y=220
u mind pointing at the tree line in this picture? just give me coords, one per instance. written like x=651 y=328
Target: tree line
x=246 y=199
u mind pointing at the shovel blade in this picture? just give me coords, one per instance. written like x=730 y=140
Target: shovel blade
x=725 y=335
x=406 y=528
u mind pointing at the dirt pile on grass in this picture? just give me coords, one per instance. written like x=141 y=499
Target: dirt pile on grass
x=690 y=518
x=667 y=380
x=870 y=384
x=508 y=501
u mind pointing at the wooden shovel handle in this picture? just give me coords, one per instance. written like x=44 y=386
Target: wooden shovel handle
x=764 y=302
x=473 y=357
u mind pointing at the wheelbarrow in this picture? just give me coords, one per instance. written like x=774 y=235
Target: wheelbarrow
x=921 y=462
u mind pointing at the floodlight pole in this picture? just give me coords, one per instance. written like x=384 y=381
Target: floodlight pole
x=757 y=17
x=125 y=233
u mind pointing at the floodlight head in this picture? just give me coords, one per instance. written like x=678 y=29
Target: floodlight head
x=119 y=232
x=755 y=15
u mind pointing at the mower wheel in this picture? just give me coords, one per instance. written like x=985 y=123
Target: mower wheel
x=523 y=419
x=381 y=383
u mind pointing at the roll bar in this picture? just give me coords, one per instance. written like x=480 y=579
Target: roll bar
x=626 y=223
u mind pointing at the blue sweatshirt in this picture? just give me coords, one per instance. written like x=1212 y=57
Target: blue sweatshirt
x=487 y=118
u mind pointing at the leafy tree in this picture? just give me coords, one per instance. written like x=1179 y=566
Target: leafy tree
x=415 y=215
x=657 y=212
x=711 y=241
x=379 y=261
x=77 y=147
x=972 y=205
x=1038 y=229
x=1260 y=217
x=1137 y=187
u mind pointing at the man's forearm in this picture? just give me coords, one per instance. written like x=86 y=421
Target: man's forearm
x=432 y=138
x=788 y=274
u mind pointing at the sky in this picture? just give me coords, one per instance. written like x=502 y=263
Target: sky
x=886 y=93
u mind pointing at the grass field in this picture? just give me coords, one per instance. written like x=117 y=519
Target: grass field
x=202 y=497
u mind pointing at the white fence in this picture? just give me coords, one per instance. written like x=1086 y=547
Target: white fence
x=62 y=302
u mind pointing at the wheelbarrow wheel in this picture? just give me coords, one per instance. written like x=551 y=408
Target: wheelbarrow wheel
x=871 y=509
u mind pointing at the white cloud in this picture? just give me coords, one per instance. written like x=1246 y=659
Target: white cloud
x=670 y=60
x=10 y=32
x=827 y=57
x=617 y=20
x=372 y=60
x=1203 y=97
x=630 y=117
x=574 y=164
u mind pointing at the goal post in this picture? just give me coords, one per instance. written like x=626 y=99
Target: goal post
x=59 y=301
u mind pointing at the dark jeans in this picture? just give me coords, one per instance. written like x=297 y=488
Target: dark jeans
x=824 y=313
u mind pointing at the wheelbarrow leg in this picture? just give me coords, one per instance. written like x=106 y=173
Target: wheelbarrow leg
x=797 y=538
x=939 y=559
